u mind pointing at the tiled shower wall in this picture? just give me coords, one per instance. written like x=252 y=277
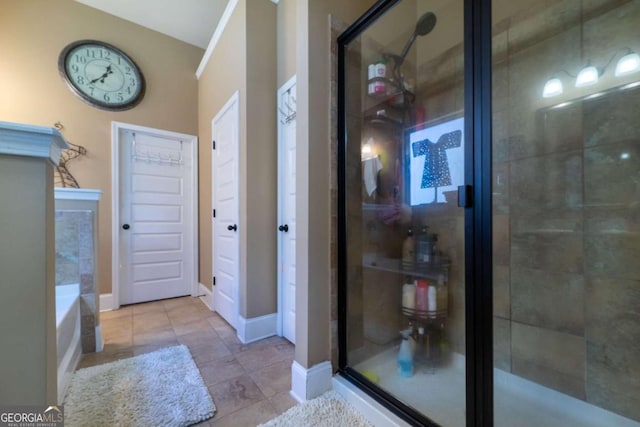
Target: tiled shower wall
x=567 y=209
x=75 y=263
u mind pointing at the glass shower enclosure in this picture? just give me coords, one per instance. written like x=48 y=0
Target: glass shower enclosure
x=489 y=211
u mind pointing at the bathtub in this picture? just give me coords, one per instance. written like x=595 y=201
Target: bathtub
x=68 y=334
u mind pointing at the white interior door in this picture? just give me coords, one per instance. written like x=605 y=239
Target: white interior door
x=287 y=208
x=156 y=217
x=226 y=135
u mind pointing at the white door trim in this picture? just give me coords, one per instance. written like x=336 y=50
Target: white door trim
x=235 y=99
x=283 y=89
x=116 y=127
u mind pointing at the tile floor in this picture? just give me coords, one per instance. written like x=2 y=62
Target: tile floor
x=249 y=383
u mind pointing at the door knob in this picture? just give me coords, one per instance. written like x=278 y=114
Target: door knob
x=125 y=226
x=232 y=227
x=284 y=228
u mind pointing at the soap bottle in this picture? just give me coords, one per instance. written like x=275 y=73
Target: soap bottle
x=408 y=250
x=405 y=356
x=409 y=296
x=422 y=296
x=422 y=248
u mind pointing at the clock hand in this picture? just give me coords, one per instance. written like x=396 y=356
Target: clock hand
x=102 y=77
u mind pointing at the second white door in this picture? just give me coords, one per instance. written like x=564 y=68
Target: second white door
x=287 y=208
x=225 y=160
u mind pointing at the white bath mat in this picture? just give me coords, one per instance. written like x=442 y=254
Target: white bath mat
x=163 y=388
x=328 y=410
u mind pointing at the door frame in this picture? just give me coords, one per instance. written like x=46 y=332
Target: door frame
x=281 y=150
x=116 y=169
x=234 y=99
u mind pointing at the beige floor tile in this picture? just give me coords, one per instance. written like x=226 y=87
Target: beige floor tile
x=250 y=416
x=219 y=370
x=117 y=325
x=154 y=337
x=150 y=321
x=258 y=358
x=147 y=307
x=199 y=338
x=178 y=302
x=234 y=394
x=204 y=353
x=283 y=401
x=274 y=378
x=191 y=327
x=215 y=320
x=114 y=314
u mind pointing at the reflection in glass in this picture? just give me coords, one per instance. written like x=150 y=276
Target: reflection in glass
x=566 y=174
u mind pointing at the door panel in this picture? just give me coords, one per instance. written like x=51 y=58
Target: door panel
x=225 y=131
x=157 y=206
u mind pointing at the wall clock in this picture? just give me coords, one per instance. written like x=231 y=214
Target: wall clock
x=101 y=75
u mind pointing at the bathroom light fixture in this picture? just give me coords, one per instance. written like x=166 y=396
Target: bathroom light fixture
x=553 y=87
x=367 y=149
x=587 y=76
x=628 y=64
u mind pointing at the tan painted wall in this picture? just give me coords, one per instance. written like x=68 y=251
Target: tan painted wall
x=28 y=361
x=224 y=74
x=286 y=40
x=245 y=60
x=262 y=159
x=32 y=34
x=313 y=166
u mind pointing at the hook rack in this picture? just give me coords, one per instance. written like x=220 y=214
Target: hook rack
x=157 y=157
x=290 y=114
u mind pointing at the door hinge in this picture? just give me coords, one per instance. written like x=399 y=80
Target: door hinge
x=214 y=144
x=214 y=280
x=214 y=213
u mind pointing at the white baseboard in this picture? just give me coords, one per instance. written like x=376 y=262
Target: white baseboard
x=257 y=328
x=206 y=296
x=309 y=383
x=106 y=302
x=374 y=412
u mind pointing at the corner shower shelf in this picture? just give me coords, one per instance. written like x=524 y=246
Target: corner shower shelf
x=432 y=271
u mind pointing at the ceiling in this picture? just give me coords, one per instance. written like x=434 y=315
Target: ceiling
x=192 y=21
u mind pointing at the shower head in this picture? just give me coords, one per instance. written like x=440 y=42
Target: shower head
x=424 y=26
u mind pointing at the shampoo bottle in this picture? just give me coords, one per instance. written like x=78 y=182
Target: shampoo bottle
x=408 y=250
x=405 y=356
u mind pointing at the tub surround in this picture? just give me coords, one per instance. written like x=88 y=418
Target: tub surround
x=68 y=334
x=28 y=361
x=77 y=255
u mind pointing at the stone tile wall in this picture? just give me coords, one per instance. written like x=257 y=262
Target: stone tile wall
x=75 y=263
x=567 y=209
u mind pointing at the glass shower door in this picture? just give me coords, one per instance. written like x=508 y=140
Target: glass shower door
x=566 y=213
x=404 y=242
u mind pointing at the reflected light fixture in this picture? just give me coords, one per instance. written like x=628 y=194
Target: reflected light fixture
x=628 y=64
x=367 y=149
x=553 y=87
x=587 y=76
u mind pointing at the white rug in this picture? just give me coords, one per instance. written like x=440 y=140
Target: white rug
x=328 y=410
x=163 y=388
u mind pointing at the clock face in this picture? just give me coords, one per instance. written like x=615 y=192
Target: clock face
x=101 y=75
